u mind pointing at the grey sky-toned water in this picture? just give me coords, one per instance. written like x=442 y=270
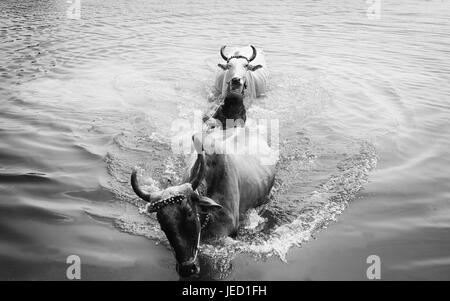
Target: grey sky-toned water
x=363 y=105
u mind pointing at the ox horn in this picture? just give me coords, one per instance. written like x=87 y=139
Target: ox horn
x=223 y=54
x=198 y=169
x=253 y=54
x=139 y=192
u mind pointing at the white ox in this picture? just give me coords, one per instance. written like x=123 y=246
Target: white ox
x=245 y=72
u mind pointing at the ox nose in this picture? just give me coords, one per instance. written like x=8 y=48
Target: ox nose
x=187 y=269
x=235 y=80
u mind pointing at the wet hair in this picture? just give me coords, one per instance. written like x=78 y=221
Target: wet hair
x=233 y=108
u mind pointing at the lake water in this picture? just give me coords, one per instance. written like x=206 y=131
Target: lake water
x=363 y=106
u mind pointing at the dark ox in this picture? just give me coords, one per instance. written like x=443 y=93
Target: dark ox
x=237 y=168
x=245 y=72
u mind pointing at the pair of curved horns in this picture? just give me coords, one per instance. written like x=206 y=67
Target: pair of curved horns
x=226 y=58
x=197 y=176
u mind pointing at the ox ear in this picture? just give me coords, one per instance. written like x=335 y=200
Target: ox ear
x=206 y=204
x=223 y=66
x=253 y=68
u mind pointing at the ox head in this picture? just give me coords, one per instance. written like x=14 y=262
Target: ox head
x=178 y=210
x=237 y=67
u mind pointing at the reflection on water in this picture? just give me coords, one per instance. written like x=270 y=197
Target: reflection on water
x=363 y=115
